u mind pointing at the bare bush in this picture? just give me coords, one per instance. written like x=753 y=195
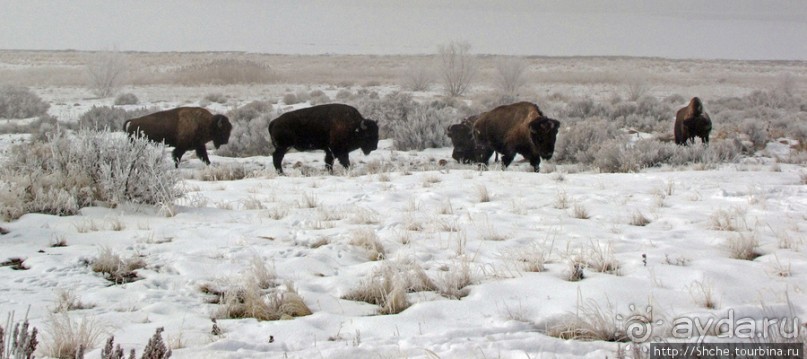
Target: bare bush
x=114 y=268
x=417 y=78
x=457 y=67
x=510 y=75
x=20 y=102
x=107 y=72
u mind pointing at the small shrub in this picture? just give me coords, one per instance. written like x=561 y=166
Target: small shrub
x=216 y=97
x=317 y=97
x=639 y=219
x=126 y=99
x=20 y=102
x=417 y=78
x=250 y=133
x=290 y=99
x=249 y=301
x=368 y=240
x=388 y=284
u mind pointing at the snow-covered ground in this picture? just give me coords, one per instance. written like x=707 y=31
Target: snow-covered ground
x=663 y=237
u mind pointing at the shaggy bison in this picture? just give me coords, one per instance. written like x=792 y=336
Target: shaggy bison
x=691 y=121
x=336 y=129
x=462 y=138
x=184 y=128
x=516 y=128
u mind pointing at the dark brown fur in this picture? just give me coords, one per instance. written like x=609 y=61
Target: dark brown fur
x=518 y=128
x=184 y=128
x=336 y=129
x=692 y=121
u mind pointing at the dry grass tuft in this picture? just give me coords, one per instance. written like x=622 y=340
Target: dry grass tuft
x=368 y=239
x=580 y=212
x=744 y=246
x=482 y=193
x=702 y=294
x=114 y=268
x=68 y=337
x=249 y=301
x=728 y=220
x=561 y=200
x=639 y=219
x=388 y=284
x=67 y=300
x=453 y=282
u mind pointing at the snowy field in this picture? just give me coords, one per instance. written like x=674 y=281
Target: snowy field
x=482 y=264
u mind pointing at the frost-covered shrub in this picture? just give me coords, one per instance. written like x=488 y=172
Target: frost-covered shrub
x=225 y=72
x=410 y=124
x=250 y=133
x=89 y=168
x=580 y=141
x=216 y=97
x=394 y=107
x=756 y=132
x=290 y=99
x=317 y=97
x=101 y=117
x=585 y=108
x=20 y=102
x=423 y=128
x=127 y=98
x=343 y=94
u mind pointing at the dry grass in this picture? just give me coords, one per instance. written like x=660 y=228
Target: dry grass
x=482 y=194
x=454 y=280
x=639 y=219
x=561 y=200
x=114 y=268
x=580 y=212
x=590 y=322
x=249 y=301
x=277 y=213
x=702 y=294
x=67 y=336
x=308 y=200
x=67 y=300
x=600 y=258
x=728 y=220
x=744 y=246
x=387 y=285
x=531 y=258
x=368 y=240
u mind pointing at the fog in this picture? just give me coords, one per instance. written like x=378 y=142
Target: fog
x=715 y=29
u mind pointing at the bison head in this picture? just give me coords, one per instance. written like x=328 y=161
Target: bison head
x=367 y=134
x=461 y=135
x=696 y=106
x=221 y=130
x=699 y=126
x=543 y=132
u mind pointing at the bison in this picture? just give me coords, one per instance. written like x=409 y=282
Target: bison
x=516 y=128
x=691 y=121
x=184 y=128
x=336 y=129
x=466 y=150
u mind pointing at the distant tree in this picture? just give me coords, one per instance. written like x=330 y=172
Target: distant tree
x=510 y=75
x=457 y=67
x=107 y=72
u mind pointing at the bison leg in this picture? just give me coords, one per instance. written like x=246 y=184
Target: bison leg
x=329 y=160
x=277 y=158
x=177 y=155
x=201 y=152
x=536 y=163
x=344 y=160
x=507 y=159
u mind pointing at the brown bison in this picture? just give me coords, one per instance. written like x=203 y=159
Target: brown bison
x=691 y=121
x=516 y=128
x=184 y=128
x=466 y=150
x=336 y=129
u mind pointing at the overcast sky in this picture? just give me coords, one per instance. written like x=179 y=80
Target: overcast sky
x=728 y=29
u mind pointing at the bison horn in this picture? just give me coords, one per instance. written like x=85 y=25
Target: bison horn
x=363 y=125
